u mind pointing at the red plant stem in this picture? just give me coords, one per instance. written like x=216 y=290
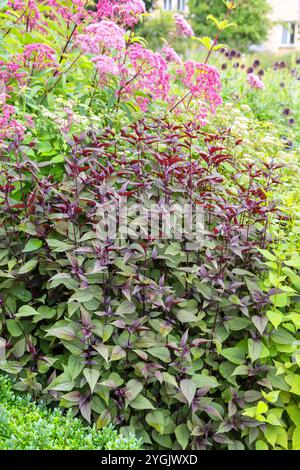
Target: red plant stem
x=216 y=38
x=67 y=43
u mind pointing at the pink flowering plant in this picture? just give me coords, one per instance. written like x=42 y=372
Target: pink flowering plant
x=68 y=47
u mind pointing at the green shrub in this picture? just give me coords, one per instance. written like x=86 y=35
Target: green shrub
x=25 y=425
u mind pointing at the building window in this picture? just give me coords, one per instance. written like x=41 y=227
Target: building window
x=181 y=5
x=288 y=35
x=168 y=5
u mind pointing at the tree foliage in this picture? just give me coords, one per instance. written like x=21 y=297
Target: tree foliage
x=250 y=16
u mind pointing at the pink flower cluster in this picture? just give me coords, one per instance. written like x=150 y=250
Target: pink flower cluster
x=170 y=54
x=105 y=9
x=10 y=128
x=75 y=13
x=255 y=81
x=10 y=71
x=148 y=74
x=183 y=27
x=106 y=66
x=204 y=83
x=100 y=37
x=29 y=11
x=38 y=56
x=127 y=12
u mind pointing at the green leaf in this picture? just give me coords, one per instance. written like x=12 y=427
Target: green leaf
x=185 y=316
x=294 y=413
x=296 y=439
x=58 y=246
x=28 y=267
x=132 y=390
x=254 y=349
x=13 y=328
x=92 y=376
x=182 y=434
x=62 y=383
x=32 y=245
x=294 y=262
x=63 y=330
x=170 y=379
x=75 y=366
x=271 y=435
x=275 y=317
x=294 y=381
x=261 y=445
x=142 y=403
x=205 y=381
x=235 y=355
x=260 y=323
x=269 y=256
x=125 y=308
x=188 y=389
x=273 y=420
x=26 y=311
x=161 y=353
x=206 y=41
x=117 y=353
x=237 y=324
x=280 y=300
x=261 y=408
x=156 y=420
x=281 y=336
x=102 y=350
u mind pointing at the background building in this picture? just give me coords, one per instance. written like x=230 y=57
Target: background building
x=172 y=5
x=285 y=34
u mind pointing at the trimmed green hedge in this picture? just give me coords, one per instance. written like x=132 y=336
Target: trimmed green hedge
x=25 y=425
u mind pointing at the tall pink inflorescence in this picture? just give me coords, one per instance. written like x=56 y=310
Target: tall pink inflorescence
x=75 y=12
x=28 y=11
x=101 y=37
x=106 y=67
x=204 y=84
x=127 y=12
x=183 y=27
x=37 y=56
x=170 y=54
x=148 y=74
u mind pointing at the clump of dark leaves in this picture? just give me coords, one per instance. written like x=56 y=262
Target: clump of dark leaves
x=159 y=340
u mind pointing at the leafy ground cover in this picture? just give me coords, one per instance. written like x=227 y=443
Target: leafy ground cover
x=184 y=348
